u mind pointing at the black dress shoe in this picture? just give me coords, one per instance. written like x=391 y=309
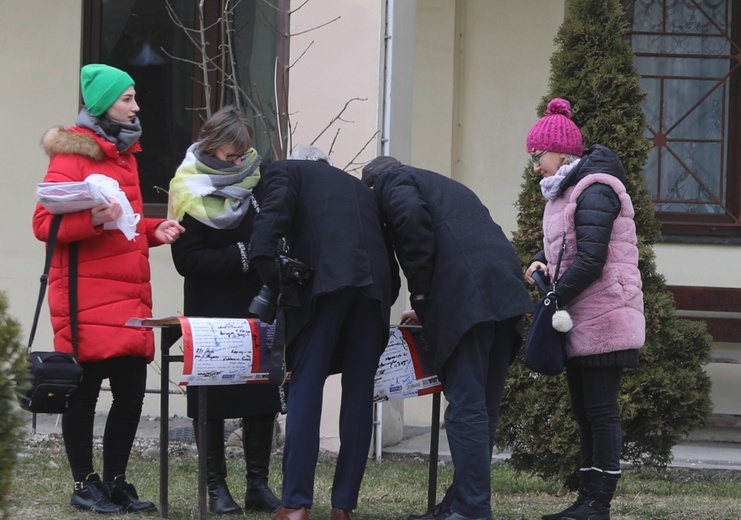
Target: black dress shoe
x=89 y=496
x=435 y=514
x=124 y=494
x=452 y=515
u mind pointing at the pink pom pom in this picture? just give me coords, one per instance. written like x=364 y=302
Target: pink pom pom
x=558 y=106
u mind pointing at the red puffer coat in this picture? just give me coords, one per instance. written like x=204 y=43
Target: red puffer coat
x=113 y=283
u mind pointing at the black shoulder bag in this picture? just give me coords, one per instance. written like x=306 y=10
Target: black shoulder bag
x=545 y=348
x=54 y=376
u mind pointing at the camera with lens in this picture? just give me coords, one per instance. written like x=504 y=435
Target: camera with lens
x=293 y=270
x=266 y=302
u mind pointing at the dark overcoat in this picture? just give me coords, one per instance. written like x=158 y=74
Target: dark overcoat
x=451 y=250
x=330 y=221
x=214 y=286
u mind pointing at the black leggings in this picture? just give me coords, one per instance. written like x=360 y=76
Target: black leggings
x=128 y=377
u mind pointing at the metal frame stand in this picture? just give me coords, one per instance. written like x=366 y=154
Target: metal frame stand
x=434 y=447
x=170 y=334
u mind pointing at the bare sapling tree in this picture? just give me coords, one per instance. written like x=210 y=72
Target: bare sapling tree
x=221 y=82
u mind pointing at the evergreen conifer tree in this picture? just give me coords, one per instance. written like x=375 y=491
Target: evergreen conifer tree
x=669 y=394
x=13 y=378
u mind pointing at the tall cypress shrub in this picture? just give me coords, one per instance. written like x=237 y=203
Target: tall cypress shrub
x=13 y=377
x=669 y=394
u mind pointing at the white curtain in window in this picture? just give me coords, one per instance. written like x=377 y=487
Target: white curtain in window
x=683 y=49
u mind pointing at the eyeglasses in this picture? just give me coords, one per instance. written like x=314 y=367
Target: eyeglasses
x=232 y=157
x=536 y=157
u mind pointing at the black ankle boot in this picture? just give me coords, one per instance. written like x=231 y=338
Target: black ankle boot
x=589 y=510
x=602 y=487
x=257 y=440
x=220 y=500
x=89 y=496
x=124 y=494
x=581 y=496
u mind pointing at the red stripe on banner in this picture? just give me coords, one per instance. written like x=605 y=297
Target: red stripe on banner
x=187 y=346
x=412 y=351
x=430 y=390
x=256 y=349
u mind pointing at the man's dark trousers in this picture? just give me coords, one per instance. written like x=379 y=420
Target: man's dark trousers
x=473 y=378
x=347 y=322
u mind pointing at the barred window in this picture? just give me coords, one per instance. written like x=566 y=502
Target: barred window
x=688 y=53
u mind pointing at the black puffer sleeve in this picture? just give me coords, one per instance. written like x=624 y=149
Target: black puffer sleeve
x=596 y=210
x=538 y=257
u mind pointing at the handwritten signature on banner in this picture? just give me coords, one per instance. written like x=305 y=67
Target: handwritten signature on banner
x=405 y=368
x=226 y=351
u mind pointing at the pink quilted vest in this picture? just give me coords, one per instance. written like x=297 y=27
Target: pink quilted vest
x=608 y=315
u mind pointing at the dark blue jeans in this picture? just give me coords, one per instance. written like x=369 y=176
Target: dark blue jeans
x=128 y=378
x=594 y=401
x=473 y=378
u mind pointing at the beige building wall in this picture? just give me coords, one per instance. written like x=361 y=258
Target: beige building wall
x=480 y=72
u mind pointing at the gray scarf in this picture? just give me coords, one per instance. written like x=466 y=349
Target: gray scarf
x=123 y=135
x=550 y=186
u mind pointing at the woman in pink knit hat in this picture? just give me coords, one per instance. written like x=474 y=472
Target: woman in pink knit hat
x=589 y=211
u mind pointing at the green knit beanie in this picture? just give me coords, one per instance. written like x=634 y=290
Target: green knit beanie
x=101 y=86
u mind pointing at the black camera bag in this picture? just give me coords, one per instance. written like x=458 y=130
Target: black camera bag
x=54 y=380
x=54 y=376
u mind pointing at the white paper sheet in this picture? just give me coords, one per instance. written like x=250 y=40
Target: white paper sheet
x=68 y=197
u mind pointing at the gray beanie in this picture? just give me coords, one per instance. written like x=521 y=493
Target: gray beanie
x=377 y=166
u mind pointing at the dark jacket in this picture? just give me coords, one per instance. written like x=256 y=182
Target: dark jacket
x=451 y=250
x=215 y=287
x=330 y=222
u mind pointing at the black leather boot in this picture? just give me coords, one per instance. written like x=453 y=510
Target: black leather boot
x=124 y=494
x=220 y=500
x=89 y=496
x=257 y=439
x=597 y=504
x=582 y=494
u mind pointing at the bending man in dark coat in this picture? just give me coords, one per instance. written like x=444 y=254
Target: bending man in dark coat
x=469 y=294
x=330 y=221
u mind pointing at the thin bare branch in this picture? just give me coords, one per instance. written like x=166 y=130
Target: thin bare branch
x=352 y=161
x=331 y=146
x=302 y=55
x=316 y=27
x=299 y=7
x=204 y=59
x=338 y=116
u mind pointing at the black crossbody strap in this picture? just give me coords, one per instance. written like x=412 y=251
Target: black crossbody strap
x=558 y=262
x=50 y=245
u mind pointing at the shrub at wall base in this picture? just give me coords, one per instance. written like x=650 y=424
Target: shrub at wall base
x=13 y=374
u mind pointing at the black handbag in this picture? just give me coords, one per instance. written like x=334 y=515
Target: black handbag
x=545 y=348
x=54 y=376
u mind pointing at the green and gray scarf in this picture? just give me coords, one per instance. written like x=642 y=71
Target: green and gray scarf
x=218 y=198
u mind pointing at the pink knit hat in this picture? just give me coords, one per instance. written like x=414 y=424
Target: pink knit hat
x=555 y=131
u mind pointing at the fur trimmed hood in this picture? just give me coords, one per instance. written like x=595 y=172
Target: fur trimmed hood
x=62 y=141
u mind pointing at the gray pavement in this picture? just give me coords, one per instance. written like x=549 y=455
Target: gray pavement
x=686 y=454
x=416 y=441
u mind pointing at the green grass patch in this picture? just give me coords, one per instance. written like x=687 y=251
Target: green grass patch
x=392 y=489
